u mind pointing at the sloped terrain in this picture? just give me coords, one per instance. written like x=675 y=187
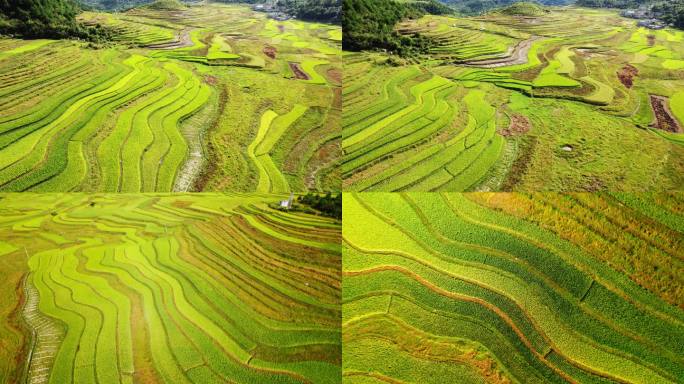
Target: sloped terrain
x=585 y=80
x=513 y=288
x=171 y=105
x=167 y=288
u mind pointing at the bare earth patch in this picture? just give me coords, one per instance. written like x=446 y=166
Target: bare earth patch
x=270 y=51
x=651 y=40
x=663 y=116
x=299 y=73
x=335 y=75
x=627 y=75
x=519 y=124
x=183 y=40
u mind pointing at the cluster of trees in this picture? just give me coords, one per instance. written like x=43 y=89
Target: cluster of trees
x=369 y=25
x=328 y=204
x=316 y=10
x=670 y=11
x=46 y=19
x=476 y=7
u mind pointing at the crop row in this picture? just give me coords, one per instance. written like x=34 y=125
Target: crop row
x=561 y=313
x=164 y=280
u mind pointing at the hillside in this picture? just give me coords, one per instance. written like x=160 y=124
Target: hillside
x=184 y=98
x=513 y=288
x=479 y=109
x=522 y=9
x=369 y=24
x=475 y=7
x=167 y=289
x=670 y=11
x=44 y=18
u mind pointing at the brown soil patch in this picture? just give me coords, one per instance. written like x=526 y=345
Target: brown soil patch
x=298 y=72
x=651 y=40
x=337 y=98
x=335 y=74
x=519 y=124
x=627 y=75
x=664 y=119
x=211 y=80
x=270 y=51
x=281 y=28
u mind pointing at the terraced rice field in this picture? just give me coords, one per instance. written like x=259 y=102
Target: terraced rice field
x=171 y=105
x=144 y=288
x=513 y=288
x=560 y=102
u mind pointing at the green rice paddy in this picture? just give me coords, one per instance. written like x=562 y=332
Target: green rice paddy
x=560 y=101
x=171 y=105
x=513 y=288
x=144 y=288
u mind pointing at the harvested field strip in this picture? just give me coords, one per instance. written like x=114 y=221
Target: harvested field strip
x=511 y=286
x=260 y=304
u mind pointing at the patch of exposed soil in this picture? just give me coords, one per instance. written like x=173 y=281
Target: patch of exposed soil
x=651 y=40
x=270 y=51
x=627 y=75
x=281 y=28
x=211 y=80
x=298 y=72
x=515 y=56
x=335 y=75
x=663 y=116
x=591 y=183
x=519 y=124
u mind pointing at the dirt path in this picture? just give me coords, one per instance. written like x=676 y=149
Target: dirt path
x=183 y=40
x=46 y=335
x=515 y=56
x=193 y=130
x=663 y=116
x=299 y=73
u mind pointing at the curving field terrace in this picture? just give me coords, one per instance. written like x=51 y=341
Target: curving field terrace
x=171 y=105
x=167 y=289
x=513 y=288
x=582 y=80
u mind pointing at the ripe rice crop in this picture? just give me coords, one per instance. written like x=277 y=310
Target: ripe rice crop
x=513 y=288
x=167 y=288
